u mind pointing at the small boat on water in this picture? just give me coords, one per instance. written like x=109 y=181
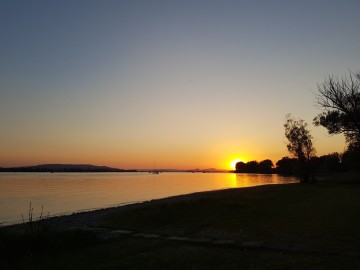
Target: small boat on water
x=154 y=171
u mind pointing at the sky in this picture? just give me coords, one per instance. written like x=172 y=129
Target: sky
x=171 y=84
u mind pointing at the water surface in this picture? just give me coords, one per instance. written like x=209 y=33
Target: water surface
x=65 y=193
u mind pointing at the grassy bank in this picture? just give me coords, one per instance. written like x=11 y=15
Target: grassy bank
x=314 y=216
x=298 y=226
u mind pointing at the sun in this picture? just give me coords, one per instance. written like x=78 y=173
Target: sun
x=233 y=162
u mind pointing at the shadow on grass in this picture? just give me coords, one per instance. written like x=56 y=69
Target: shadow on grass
x=322 y=217
x=346 y=178
x=21 y=248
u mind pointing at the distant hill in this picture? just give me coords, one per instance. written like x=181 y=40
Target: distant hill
x=64 y=168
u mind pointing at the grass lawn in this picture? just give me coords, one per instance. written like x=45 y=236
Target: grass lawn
x=301 y=226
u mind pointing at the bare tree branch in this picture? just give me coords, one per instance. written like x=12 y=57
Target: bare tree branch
x=340 y=102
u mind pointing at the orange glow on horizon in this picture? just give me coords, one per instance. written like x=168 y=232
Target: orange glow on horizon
x=233 y=162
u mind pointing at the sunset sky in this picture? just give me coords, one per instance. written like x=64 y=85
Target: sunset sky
x=179 y=84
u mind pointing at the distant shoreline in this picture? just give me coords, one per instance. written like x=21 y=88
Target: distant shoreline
x=63 y=168
x=51 y=168
x=63 y=171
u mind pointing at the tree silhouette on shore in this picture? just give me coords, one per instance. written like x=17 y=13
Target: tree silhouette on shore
x=265 y=166
x=339 y=98
x=300 y=145
x=340 y=101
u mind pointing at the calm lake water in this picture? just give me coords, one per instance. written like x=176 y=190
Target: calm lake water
x=65 y=193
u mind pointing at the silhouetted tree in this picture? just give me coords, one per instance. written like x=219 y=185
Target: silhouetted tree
x=351 y=159
x=240 y=167
x=252 y=166
x=299 y=137
x=249 y=167
x=286 y=166
x=331 y=163
x=266 y=166
x=340 y=101
x=300 y=144
x=326 y=164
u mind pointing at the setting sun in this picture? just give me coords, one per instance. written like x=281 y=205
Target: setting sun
x=233 y=163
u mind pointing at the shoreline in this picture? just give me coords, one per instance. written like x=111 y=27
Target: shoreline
x=92 y=218
x=82 y=196
x=295 y=224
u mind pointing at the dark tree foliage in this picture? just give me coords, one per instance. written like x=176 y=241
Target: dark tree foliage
x=286 y=166
x=340 y=102
x=300 y=145
x=265 y=166
x=331 y=163
x=240 y=167
x=252 y=166
x=327 y=164
x=351 y=160
x=299 y=137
